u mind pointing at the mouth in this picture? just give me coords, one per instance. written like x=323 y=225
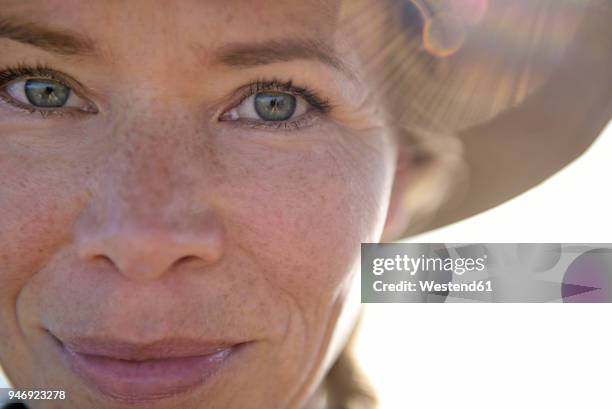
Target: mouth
x=140 y=373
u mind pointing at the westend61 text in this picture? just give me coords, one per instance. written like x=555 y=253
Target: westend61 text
x=431 y=286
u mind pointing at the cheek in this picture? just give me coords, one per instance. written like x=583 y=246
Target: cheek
x=303 y=213
x=37 y=204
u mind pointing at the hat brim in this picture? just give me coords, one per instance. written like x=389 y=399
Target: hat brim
x=525 y=145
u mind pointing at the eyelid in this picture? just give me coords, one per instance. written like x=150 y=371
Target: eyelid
x=275 y=84
x=306 y=120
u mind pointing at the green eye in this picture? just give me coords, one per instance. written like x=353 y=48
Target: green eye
x=44 y=93
x=275 y=106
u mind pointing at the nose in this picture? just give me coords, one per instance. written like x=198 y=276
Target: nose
x=144 y=252
x=148 y=217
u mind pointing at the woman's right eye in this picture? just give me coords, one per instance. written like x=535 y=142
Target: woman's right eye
x=45 y=94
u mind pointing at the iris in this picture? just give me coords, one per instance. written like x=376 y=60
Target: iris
x=46 y=93
x=275 y=106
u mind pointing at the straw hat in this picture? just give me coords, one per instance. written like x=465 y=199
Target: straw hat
x=527 y=87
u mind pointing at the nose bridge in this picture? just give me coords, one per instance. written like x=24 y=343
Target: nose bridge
x=149 y=209
x=147 y=171
x=154 y=159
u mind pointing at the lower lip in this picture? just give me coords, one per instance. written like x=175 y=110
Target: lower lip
x=145 y=381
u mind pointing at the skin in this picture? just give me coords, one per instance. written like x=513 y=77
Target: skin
x=152 y=218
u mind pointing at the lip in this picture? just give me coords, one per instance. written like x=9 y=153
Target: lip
x=136 y=373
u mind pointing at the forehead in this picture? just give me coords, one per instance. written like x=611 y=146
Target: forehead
x=209 y=19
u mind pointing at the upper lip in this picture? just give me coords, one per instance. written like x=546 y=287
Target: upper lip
x=173 y=347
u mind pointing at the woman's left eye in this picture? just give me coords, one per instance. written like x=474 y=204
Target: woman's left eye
x=45 y=94
x=270 y=106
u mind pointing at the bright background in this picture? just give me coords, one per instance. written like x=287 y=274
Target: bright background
x=499 y=356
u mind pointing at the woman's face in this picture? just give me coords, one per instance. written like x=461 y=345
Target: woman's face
x=184 y=187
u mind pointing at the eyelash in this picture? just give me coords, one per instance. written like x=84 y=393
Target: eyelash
x=9 y=74
x=320 y=105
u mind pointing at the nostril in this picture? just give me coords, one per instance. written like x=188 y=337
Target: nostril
x=186 y=259
x=102 y=259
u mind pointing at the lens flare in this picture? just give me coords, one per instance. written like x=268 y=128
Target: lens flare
x=443 y=34
x=446 y=23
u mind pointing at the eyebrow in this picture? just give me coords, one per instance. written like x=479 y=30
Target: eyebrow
x=245 y=55
x=58 y=41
